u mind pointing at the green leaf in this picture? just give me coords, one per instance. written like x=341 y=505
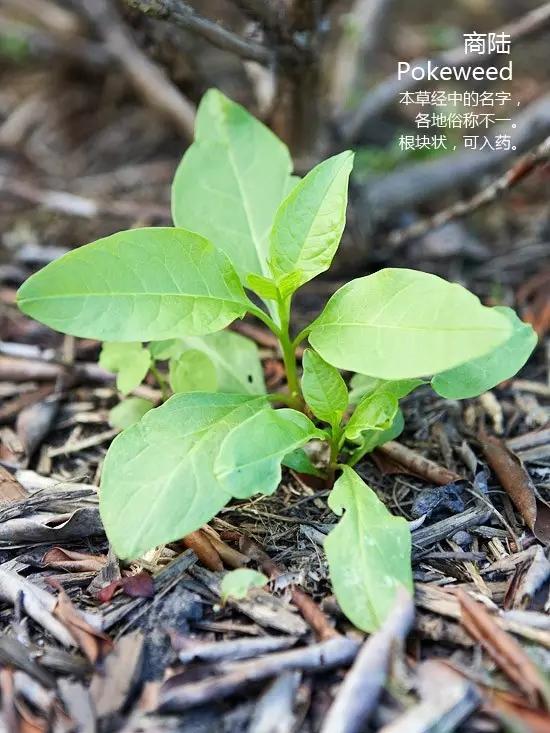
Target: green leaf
x=158 y=483
x=299 y=461
x=161 y=350
x=479 y=375
x=128 y=360
x=139 y=285
x=324 y=389
x=377 y=418
x=402 y=323
x=129 y=411
x=249 y=460
x=236 y=359
x=309 y=223
x=363 y=385
x=374 y=412
x=237 y=583
x=289 y=283
x=368 y=552
x=231 y=181
x=371 y=439
x=192 y=371
x=265 y=287
x=292 y=181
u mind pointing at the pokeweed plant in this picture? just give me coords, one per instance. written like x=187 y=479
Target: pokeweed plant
x=243 y=223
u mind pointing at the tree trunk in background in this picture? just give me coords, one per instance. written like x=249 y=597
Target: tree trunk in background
x=296 y=116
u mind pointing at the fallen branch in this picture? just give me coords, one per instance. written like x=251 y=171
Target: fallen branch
x=402 y=457
x=501 y=647
x=264 y=12
x=446 y=700
x=276 y=705
x=74 y=205
x=359 y=692
x=36 y=602
x=147 y=78
x=520 y=170
x=315 y=658
x=387 y=92
x=184 y=16
x=194 y=650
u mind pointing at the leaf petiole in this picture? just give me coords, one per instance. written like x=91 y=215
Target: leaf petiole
x=161 y=381
x=301 y=336
x=286 y=399
x=264 y=317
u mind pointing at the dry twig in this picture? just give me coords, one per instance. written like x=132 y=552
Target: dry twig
x=183 y=15
x=148 y=79
x=363 y=684
x=315 y=658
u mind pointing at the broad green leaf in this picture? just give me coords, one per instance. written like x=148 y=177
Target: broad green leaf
x=377 y=418
x=161 y=350
x=237 y=583
x=371 y=439
x=236 y=358
x=129 y=411
x=309 y=223
x=128 y=360
x=375 y=412
x=299 y=461
x=249 y=460
x=479 y=375
x=292 y=181
x=231 y=181
x=400 y=323
x=192 y=371
x=324 y=389
x=158 y=483
x=400 y=388
x=139 y=285
x=363 y=385
x=368 y=552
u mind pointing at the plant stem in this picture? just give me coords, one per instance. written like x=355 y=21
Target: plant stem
x=286 y=399
x=356 y=456
x=336 y=440
x=301 y=336
x=289 y=353
x=265 y=318
x=161 y=381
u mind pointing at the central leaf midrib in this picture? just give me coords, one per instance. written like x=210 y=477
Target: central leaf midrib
x=302 y=247
x=119 y=294
x=359 y=324
x=249 y=219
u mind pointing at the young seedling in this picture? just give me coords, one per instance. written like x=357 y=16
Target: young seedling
x=243 y=223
